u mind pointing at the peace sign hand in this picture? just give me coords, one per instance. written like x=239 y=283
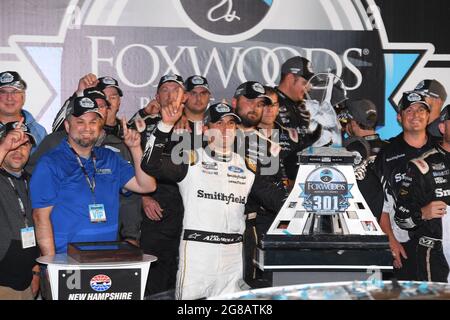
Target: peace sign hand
x=173 y=111
x=131 y=137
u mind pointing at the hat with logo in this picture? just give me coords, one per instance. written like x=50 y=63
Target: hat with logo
x=445 y=113
x=218 y=111
x=171 y=77
x=95 y=93
x=107 y=82
x=12 y=79
x=363 y=111
x=298 y=66
x=432 y=88
x=252 y=90
x=196 y=81
x=412 y=97
x=10 y=126
x=81 y=105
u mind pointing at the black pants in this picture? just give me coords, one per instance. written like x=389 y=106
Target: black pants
x=431 y=262
x=254 y=231
x=250 y=243
x=409 y=269
x=163 y=272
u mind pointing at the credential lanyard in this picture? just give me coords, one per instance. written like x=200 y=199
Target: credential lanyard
x=90 y=182
x=19 y=200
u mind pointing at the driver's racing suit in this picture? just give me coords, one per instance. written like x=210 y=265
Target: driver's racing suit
x=427 y=180
x=214 y=190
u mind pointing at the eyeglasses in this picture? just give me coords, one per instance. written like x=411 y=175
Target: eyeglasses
x=14 y=93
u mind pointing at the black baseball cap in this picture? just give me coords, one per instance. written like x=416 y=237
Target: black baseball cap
x=363 y=111
x=432 y=88
x=412 y=97
x=298 y=66
x=12 y=79
x=95 y=93
x=252 y=90
x=218 y=111
x=106 y=82
x=445 y=113
x=81 y=105
x=10 y=126
x=196 y=81
x=171 y=77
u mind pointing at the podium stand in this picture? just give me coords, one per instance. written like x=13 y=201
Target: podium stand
x=325 y=230
x=69 y=279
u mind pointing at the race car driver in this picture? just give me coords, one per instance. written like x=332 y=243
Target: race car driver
x=215 y=183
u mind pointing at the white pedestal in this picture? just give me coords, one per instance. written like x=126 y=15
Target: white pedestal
x=72 y=280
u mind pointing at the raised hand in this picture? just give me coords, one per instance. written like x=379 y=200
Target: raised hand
x=131 y=138
x=87 y=81
x=153 y=107
x=14 y=138
x=174 y=109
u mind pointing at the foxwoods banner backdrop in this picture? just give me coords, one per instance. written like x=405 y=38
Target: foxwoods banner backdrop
x=52 y=43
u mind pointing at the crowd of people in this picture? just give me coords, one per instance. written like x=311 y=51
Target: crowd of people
x=198 y=184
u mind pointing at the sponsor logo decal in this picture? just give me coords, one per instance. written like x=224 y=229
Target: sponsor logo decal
x=398 y=156
x=100 y=282
x=235 y=169
x=438 y=166
x=87 y=103
x=220 y=196
x=209 y=165
x=225 y=20
x=442 y=193
x=222 y=108
x=413 y=97
x=103 y=171
x=441 y=173
x=6 y=78
x=440 y=180
x=326 y=191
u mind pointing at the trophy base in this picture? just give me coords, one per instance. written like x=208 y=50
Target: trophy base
x=108 y=251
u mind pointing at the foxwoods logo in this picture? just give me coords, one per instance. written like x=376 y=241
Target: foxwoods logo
x=326 y=191
x=253 y=147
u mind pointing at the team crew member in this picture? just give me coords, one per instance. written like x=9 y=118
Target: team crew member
x=365 y=143
x=162 y=209
x=12 y=99
x=248 y=103
x=293 y=86
x=18 y=250
x=422 y=205
x=435 y=95
x=215 y=183
x=390 y=166
x=287 y=138
x=80 y=201
x=295 y=73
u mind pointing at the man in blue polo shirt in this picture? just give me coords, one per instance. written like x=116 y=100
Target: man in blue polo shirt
x=75 y=187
